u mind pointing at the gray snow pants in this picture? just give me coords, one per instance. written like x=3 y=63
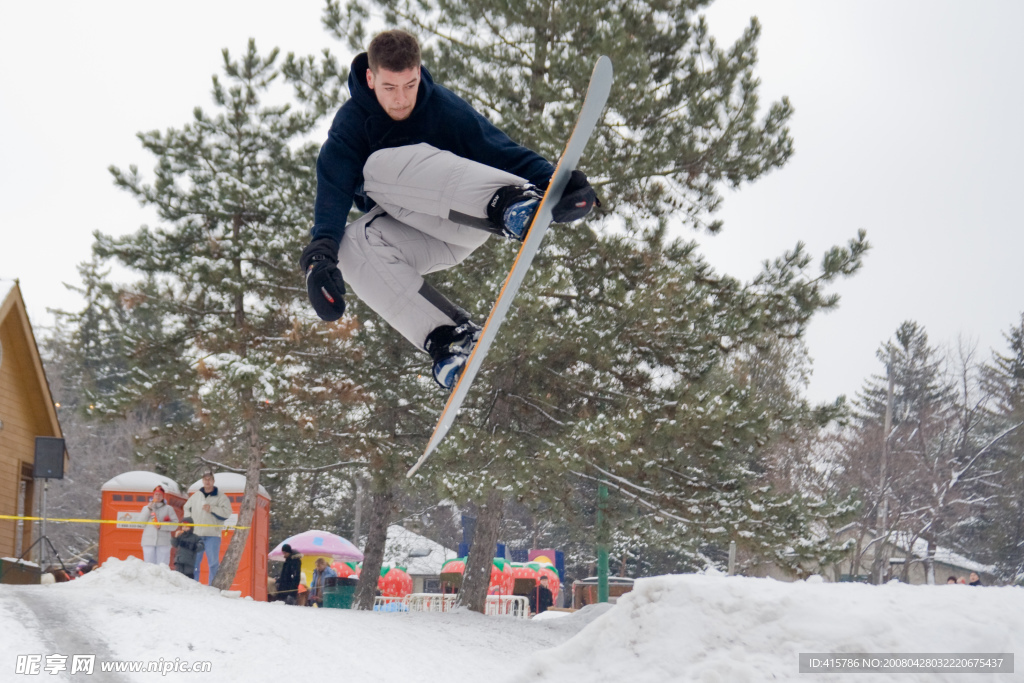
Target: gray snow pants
x=384 y=254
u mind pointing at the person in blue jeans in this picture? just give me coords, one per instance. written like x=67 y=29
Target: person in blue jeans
x=208 y=506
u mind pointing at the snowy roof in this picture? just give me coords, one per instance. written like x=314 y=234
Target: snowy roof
x=141 y=481
x=228 y=482
x=418 y=554
x=901 y=539
x=944 y=555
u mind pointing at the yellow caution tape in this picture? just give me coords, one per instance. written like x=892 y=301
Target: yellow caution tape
x=108 y=521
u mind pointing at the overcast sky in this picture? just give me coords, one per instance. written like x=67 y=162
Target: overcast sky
x=907 y=124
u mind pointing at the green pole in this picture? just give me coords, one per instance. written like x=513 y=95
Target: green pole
x=602 y=544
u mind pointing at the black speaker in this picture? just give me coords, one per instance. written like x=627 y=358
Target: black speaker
x=49 y=462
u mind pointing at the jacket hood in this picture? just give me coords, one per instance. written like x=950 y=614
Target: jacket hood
x=367 y=100
x=211 y=493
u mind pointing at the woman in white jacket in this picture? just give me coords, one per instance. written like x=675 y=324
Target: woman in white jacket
x=156 y=538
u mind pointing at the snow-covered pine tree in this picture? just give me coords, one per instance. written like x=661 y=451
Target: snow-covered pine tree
x=942 y=464
x=87 y=354
x=233 y=190
x=671 y=425
x=921 y=402
x=996 y=533
x=917 y=373
x=682 y=122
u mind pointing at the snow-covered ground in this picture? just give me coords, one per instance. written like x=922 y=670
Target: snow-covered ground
x=673 y=628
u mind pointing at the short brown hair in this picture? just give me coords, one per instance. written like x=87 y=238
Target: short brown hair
x=394 y=50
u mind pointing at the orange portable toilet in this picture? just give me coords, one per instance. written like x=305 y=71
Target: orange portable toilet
x=251 y=577
x=123 y=497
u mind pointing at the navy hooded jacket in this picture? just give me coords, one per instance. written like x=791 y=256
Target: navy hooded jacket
x=440 y=118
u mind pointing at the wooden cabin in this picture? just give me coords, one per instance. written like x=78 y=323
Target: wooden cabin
x=27 y=411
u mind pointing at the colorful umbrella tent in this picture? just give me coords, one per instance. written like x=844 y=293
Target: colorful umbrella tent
x=313 y=544
x=394 y=582
x=319 y=544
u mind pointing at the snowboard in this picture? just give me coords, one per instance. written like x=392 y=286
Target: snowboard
x=593 y=105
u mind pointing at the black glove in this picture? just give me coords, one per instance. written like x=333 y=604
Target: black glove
x=577 y=200
x=324 y=285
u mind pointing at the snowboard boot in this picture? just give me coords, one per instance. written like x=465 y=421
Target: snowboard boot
x=512 y=208
x=449 y=347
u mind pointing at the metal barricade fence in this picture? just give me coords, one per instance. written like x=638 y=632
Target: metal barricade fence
x=508 y=606
x=431 y=602
x=497 y=605
x=389 y=604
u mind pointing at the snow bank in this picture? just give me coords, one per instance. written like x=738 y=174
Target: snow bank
x=549 y=615
x=135 y=575
x=710 y=629
x=669 y=629
x=143 y=612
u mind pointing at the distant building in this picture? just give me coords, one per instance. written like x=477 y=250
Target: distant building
x=26 y=411
x=903 y=557
x=902 y=554
x=421 y=557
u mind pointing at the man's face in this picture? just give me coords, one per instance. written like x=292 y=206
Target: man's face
x=396 y=90
x=207 y=482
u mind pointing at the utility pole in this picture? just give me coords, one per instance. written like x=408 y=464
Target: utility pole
x=602 y=544
x=357 y=523
x=883 y=487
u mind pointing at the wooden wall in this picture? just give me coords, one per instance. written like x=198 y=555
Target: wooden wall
x=26 y=411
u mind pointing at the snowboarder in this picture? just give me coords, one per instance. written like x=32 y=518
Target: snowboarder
x=435 y=179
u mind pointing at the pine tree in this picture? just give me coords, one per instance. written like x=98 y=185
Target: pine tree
x=916 y=368
x=236 y=341
x=996 y=532
x=942 y=469
x=609 y=328
x=886 y=467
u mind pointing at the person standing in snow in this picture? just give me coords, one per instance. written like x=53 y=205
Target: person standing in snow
x=209 y=507
x=541 y=598
x=189 y=545
x=316 y=586
x=434 y=179
x=975 y=579
x=156 y=537
x=291 y=575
